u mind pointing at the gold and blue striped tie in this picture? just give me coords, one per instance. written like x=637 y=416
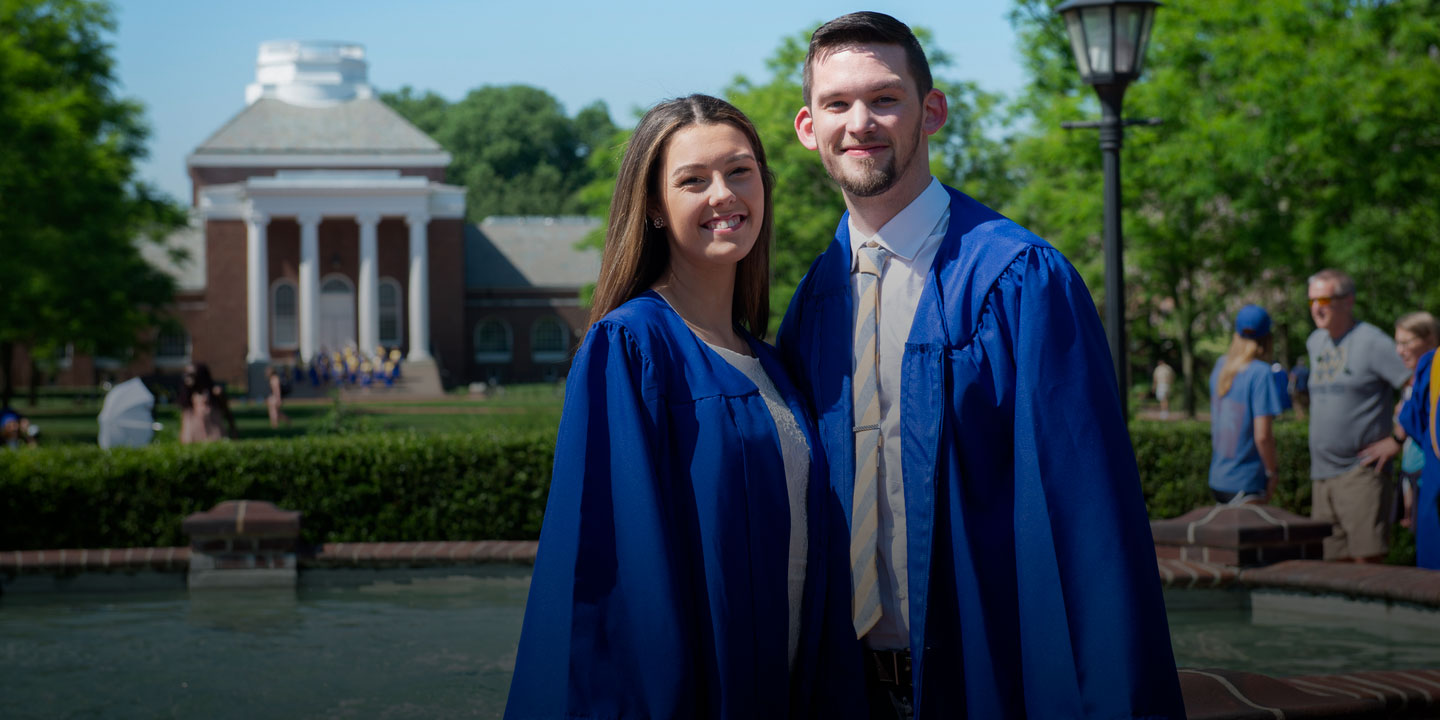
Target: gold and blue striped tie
x=865 y=513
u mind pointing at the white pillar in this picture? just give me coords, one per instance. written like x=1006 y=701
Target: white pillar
x=309 y=283
x=419 y=286
x=369 y=283
x=257 y=285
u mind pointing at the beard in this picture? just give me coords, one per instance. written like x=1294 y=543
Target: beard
x=869 y=177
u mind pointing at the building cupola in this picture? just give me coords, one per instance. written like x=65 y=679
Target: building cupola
x=310 y=73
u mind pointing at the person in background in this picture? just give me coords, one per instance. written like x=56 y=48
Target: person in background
x=1416 y=334
x=16 y=430
x=204 y=410
x=1244 y=400
x=1164 y=379
x=1418 y=418
x=274 y=400
x=691 y=564
x=1353 y=375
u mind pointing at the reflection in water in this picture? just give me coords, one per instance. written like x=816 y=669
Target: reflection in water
x=362 y=644
x=1299 y=634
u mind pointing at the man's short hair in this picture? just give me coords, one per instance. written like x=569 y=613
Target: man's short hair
x=1344 y=284
x=866 y=28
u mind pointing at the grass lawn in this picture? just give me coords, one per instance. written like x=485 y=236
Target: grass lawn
x=72 y=420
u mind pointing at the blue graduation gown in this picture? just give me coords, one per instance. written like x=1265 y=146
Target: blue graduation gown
x=659 y=590
x=1415 y=418
x=1032 y=575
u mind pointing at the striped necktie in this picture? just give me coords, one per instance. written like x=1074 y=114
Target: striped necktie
x=865 y=513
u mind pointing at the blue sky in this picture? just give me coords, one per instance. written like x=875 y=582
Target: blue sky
x=189 y=62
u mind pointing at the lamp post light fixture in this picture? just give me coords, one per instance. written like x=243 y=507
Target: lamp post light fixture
x=1108 y=38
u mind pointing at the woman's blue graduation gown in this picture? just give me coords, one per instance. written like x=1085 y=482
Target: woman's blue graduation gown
x=1032 y=574
x=1415 y=418
x=660 y=586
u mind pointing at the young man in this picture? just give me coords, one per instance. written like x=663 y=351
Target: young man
x=1001 y=561
x=1353 y=374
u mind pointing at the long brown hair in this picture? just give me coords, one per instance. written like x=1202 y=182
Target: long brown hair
x=637 y=253
x=1242 y=351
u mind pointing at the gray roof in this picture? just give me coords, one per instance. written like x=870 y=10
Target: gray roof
x=530 y=252
x=189 y=270
x=358 y=126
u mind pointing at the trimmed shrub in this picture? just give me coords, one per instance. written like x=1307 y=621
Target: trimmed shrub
x=1174 y=459
x=354 y=488
x=411 y=487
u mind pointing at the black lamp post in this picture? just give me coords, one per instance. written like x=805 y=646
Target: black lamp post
x=1109 y=39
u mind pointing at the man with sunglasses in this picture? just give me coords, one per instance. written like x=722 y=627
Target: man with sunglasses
x=1353 y=375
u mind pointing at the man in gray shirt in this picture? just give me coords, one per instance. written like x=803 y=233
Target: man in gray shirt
x=1353 y=374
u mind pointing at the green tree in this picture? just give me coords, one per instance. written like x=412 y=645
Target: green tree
x=73 y=212
x=512 y=147
x=1295 y=137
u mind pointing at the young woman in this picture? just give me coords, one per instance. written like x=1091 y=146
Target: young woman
x=1416 y=336
x=204 y=411
x=684 y=564
x=1244 y=400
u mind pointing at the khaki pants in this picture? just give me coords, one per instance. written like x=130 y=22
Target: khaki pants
x=1354 y=503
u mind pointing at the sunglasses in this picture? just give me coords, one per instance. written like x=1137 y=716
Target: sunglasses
x=1326 y=300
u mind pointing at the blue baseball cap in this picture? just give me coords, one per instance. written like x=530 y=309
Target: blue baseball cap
x=1252 y=322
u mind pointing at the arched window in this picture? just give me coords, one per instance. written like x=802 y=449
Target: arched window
x=284 y=314
x=493 y=341
x=549 y=340
x=391 y=327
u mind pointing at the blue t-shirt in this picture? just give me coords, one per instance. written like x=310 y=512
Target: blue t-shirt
x=1235 y=464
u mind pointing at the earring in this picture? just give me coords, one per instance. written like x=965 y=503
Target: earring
x=659 y=223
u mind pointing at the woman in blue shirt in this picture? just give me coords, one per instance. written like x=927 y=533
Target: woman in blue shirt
x=688 y=562
x=1244 y=401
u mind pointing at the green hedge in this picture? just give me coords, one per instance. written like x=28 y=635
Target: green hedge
x=1174 y=459
x=354 y=488
x=399 y=487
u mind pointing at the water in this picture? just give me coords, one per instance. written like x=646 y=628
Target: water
x=441 y=643
x=348 y=644
x=1284 y=633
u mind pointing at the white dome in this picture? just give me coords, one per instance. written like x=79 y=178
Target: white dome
x=310 y=73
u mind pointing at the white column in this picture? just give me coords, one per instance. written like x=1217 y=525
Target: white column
x=309 y=283
x=257 y=286
x=419 y=286
x=369 y=283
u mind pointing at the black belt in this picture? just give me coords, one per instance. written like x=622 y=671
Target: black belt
x=888 y=667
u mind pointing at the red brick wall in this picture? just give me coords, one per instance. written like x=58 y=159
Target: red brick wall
x=522 y=367
x=218 y=334
x=447 y=299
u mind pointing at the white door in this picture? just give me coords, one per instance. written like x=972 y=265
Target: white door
x=337 y=315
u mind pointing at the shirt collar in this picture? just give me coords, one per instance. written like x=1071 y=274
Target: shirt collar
x=907 y=231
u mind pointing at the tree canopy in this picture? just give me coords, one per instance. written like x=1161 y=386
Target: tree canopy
x=1298 y=134
x=73 y=211
x=512 y=147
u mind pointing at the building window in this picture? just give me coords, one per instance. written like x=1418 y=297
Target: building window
x=549 y=340
x=391 y=328
x=493 y=341
x=284 y=323
x=172 y=348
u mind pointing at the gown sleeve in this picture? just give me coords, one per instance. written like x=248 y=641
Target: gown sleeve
x=1095 y=629
x=607 y=630
x=1415 y=412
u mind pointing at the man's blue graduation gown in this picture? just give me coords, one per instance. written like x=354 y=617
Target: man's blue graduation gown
x=1032 y=575
x=660 y=586
x=1415 y=418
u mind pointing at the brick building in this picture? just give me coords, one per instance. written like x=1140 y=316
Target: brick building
x=320 y=220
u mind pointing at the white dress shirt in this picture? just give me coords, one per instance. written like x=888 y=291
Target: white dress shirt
x=912 y=237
